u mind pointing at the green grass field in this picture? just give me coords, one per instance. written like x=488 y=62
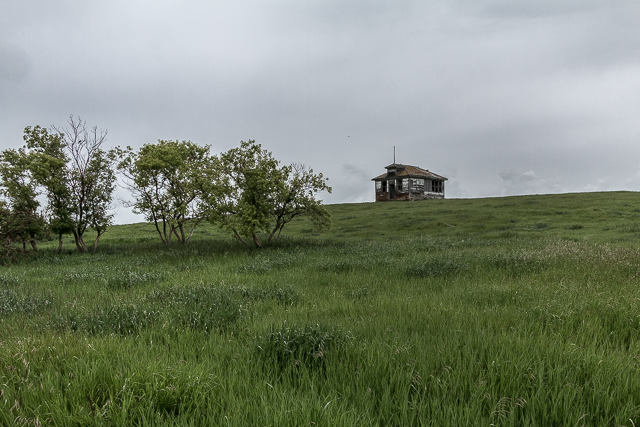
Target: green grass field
x=504 y=311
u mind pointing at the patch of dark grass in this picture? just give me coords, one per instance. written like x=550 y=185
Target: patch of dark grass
x=515 y=264
x=207 y=318
x=540 y=226
x=7 y=281
x=635 y=228
x=358 y=293
x=198 y=308
x=265 y=264
x=120 y=320
x=503 y=228
x=574 y=227
x=437 y=268
x=282 y=294
x=340 y=267
x=14 y=302
x=499 y=298
x=294 y=348
x=129 y=279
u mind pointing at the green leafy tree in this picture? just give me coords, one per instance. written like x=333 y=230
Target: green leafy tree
x=78 y=176
x=165 y=180
x=19 y=187
x=249 y=194
x=49 y=167
x=101 y=178
x=8 y=251
x=298 y=198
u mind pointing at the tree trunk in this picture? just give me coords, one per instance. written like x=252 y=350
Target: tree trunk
x=278 y=235
x=256 y=241
x=82 y=247
x=167 y=237
x=190 y=234
x=159 y=232
x=174 y=230
x=95 y=242
x=182 y=236
x=32 y=240
x=59 y=243
x=276 y=229
x=271 y=236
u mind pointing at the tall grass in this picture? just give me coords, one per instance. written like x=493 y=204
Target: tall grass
x=452 y=312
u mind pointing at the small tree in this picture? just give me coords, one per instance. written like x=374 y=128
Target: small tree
x=22 y=219
x=78 y=176
x=8 y=252
x=248 y=194
x=101 y=173
x=298 y=198
x=165 y=180
x=48 y=164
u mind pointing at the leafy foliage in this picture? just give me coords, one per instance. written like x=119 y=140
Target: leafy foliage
x=49 y=167
x=21 y=219
x=174 y=184
x=78 y=177
x=249 y=193
x=165 y=180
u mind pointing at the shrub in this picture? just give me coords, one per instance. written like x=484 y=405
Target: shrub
x=295 y=347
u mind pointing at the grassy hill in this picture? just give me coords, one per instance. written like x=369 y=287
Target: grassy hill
x=502 y=311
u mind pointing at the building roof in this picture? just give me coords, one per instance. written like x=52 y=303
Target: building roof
x=407 y=171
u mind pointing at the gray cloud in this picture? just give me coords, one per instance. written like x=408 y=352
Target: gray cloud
x=470 y=90
x=550 y=8
x=515 y=183
x=15 y=65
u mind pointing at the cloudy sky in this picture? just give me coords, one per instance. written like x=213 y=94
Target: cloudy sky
x=503 y=97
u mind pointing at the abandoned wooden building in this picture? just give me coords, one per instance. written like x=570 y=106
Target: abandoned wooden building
x=404 y=182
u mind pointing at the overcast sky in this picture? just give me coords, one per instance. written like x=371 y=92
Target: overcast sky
x=503 y=97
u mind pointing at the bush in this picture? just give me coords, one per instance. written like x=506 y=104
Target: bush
x=294 y=347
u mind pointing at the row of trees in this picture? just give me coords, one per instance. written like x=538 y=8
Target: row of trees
x=175 y=184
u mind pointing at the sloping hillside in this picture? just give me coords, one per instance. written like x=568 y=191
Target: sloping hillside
x=502 y=311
